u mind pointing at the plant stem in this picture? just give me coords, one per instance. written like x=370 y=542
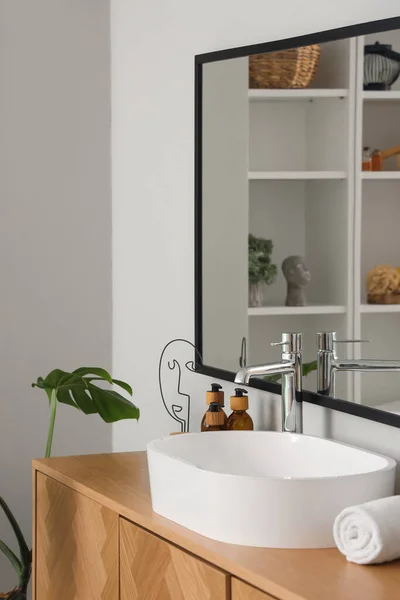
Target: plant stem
x=53 y=411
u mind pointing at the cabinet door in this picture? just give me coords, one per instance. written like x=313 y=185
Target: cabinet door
x=76 y=554
x=153 y=569
x=243 y=591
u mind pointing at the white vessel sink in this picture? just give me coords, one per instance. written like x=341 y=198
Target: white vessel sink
x=265 y=489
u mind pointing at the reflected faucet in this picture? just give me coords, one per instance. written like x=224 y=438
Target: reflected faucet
x=290 y=367
x=328 y=363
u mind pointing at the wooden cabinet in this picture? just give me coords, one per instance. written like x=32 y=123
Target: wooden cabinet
x=96 y=537
x=152 y=569
x=243 y=591
x=76 y=553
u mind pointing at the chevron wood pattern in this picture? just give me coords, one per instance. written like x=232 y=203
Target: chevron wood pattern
x=242 y=591
x=121 y=483
x=152 y=569
x=76 y=545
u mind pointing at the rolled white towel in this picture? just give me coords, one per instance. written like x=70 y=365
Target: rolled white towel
x=369 y=533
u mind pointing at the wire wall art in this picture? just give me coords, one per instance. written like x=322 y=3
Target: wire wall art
x=173 y=361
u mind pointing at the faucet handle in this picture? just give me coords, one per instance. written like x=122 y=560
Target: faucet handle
x=327 y=341
x=352 y=341
x=292 y=341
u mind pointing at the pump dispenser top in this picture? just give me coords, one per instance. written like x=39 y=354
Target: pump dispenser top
x=214 y=396
x=240 y=400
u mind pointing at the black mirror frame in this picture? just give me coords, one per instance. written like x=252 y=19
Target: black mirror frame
x=345 y=406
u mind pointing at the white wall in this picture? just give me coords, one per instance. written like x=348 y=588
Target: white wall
x=55 y=228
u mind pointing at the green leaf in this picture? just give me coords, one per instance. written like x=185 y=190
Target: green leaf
x=39 y=383
x=309 y=368
x=70 y=384
x=70 y=380
x=25 y=576
x=83 y=401
x=51 y=381
x=23 y=546
x=122 y=384
x=75 y=389
x=259 y=261
x=101 y=373
x=17 y=595
x=64 y=397
x=14 y=560
x=125 y=386
x=272 y=378
x=111 y=406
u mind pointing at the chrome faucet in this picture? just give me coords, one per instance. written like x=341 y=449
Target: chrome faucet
x=290 y=367
x=328 y=363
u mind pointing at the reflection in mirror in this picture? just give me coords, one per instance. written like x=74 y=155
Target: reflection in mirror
x=300 y=204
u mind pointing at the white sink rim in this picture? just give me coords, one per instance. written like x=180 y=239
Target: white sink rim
x=153 y=446
x=270 y=507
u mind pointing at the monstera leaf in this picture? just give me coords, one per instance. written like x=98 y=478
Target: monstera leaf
x=78 y=390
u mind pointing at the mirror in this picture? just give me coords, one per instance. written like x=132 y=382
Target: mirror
x=298 y=189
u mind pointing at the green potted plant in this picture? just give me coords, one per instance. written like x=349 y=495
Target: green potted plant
x=80 y=390
x=261 y=270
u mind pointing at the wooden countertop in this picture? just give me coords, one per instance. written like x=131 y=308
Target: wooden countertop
x=121 y=482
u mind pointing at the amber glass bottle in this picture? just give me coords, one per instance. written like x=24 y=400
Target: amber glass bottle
x=214 y=395
x=214 y=417
x=239 y=419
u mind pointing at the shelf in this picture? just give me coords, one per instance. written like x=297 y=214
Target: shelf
x=293 y=175
x=380 y=308
x=295 y=95
x=296 y=310
x=381 y=96
x=380 y=174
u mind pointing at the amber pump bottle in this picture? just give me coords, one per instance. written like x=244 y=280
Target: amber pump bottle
x=215 y=420
x=215 y=395
x=239 y=419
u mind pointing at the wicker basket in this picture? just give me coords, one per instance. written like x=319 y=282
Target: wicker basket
x=383 y=298
x=294 y=68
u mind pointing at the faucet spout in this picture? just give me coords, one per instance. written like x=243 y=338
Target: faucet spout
x=245 y=374
x=328 y=363
x=367 y=365
x=290 y=369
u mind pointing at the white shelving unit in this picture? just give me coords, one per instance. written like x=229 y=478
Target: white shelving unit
x=296 y=310
x=296 y=175
x=389 y=96
x=287 y=165
x=308 y=94
x=380 y=175
x=377 y=213
x=310 y=176
x=301 y=174
x=380 y=308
